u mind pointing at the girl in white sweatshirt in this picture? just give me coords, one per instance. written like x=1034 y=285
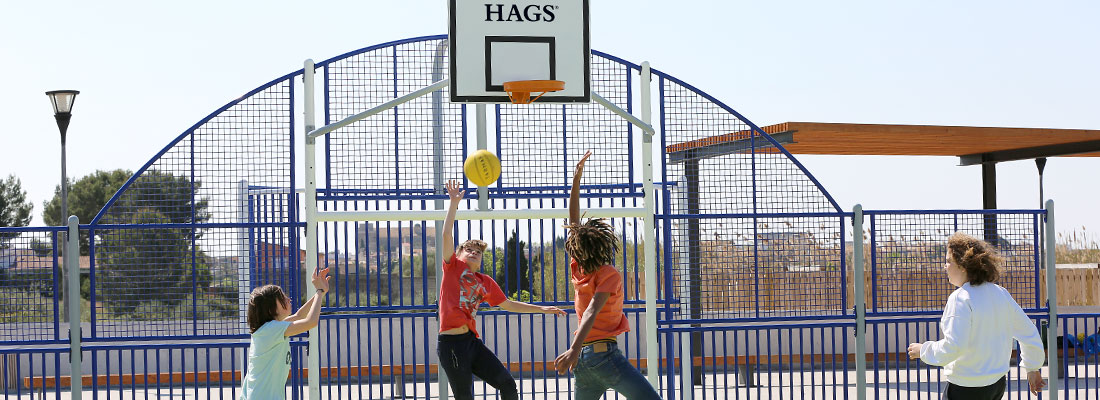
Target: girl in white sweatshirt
x=979 y=323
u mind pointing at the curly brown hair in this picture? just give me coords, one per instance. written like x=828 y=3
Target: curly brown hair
x=262 y=305
x=975 y=256
x=592 y=244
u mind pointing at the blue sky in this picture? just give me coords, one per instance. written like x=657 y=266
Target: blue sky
x=149 y=70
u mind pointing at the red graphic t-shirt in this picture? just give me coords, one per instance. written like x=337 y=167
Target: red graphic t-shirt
x=460 y=294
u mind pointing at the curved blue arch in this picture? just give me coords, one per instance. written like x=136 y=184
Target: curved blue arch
x=379 y=46
x=730 y=110
x=617 y=59
x=183 y=135
x=393 y=43
x=756 y=129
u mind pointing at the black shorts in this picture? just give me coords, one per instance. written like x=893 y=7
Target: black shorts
x=991 y=392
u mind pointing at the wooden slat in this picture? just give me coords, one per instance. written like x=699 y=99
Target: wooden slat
x=920 y=140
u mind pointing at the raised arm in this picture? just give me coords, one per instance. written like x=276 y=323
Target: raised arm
x=302 y=311
x=521 y=307
x=447 y=248
x=313 y=315
x=575 y=192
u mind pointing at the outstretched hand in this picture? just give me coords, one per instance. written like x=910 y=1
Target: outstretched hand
x=552 y=310
x=454 y=190
x=580 y=164
x=321 y=279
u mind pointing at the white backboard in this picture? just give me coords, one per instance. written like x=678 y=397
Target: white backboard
x=493 y=42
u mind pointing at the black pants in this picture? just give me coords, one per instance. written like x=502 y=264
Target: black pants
x=463 y=356
x=991 y=392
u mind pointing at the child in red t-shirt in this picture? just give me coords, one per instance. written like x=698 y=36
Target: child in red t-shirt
x=594 y=356
x=461 y=290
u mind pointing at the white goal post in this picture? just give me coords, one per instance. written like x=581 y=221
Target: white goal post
x=646 y=212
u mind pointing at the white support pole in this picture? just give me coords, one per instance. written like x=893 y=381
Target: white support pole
x=683 y=275
x=482 y=144
x=516 y=213
x=72 y=265
x=687 y=387
x=649 y=227
x=437 y=171
x=244 y=270
x=314 y=351
x=377 y=109
x=622 y=113
x=1052 y=303
x=860 y=302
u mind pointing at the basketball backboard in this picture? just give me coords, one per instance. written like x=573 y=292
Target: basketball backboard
x=496 y=42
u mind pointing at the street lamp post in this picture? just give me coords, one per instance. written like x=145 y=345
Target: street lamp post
x=1041 y=164
x=62 y=101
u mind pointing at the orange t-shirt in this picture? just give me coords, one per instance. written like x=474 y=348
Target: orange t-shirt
x=461 y=293
x=611 y=321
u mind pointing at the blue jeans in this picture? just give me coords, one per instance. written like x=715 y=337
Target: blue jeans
x=597 y=372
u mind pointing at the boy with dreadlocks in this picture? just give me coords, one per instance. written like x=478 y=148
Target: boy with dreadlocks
x=594 y=356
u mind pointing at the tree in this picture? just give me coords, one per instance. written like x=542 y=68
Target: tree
x=176 y=197
x=513 y=270
x=159 y=265
x=142 y=264
x=86 y=197
x=15 y=210
x=170 y=195
x=41 y=247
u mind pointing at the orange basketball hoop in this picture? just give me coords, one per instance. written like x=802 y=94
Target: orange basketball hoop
x=520 y=91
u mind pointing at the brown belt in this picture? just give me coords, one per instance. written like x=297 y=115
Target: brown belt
x=600 y=346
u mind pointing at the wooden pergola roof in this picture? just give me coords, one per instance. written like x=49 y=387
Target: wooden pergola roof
x=973 y=145
x=930 y=140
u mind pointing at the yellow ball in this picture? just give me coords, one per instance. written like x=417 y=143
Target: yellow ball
x=482 y=168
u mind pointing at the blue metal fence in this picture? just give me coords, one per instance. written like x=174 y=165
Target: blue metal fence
x=763 y=360
x=30 y=286
x=753 y=254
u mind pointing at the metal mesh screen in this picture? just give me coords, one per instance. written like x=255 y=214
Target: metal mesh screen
x=752 y=235
x=744 y=234
x=384 y=273
x=540 y=143
x=394 y=151
x=894 y=375
x=909 y=251
x=30 y=292
x=794 y=361
x=390 y=265
x=791 y=268
x=160 y=267
x=783 y=187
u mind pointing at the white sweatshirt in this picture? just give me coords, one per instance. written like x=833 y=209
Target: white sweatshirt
x=978 y=324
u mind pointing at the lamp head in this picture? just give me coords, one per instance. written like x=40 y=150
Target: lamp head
x=62 y=100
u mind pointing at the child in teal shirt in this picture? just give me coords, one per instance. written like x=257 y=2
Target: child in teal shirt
x=272 y=324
